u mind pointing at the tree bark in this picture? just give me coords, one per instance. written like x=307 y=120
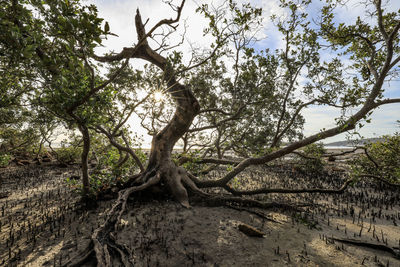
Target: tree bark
x=84 y=158
x=187 y=107
x=163 y=143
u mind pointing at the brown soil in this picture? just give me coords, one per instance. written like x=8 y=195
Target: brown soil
x=42 y=224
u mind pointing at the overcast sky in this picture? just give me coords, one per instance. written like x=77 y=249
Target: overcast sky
x=120 y=15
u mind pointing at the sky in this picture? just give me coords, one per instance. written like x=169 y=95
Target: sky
x=120 y=16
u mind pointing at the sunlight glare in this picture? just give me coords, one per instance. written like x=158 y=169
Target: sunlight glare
x=158 y=96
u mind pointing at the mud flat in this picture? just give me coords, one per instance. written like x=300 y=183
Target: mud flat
x=43 y=224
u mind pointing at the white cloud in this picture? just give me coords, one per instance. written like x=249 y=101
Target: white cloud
x=318 y=118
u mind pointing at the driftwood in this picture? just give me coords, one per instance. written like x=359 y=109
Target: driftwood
x=250 y=230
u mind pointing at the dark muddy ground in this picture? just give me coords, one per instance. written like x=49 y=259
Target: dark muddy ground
x=43 y=224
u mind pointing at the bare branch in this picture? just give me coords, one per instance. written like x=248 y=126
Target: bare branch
x=386 y=101
x=119 y=125
x=395 y=31
x=214 y=110
x=378 y=4
x=120 y=147
x=342 y=153
x=278 y=135
x=370 y=158
x=235 y=116
x=349 y=124
x=289 y=191
x=394 y=63
x=142 y=37
x=94 y=90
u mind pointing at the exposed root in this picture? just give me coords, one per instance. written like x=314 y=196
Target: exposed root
x=124 y=194
x=122 y=252
x=102 y=237
x=368 y=245
x=133 y=179
x=104 y=243
x=174 y=178
x=188 y=181
x=289 y=191
x=217 y=200
x=82 y=258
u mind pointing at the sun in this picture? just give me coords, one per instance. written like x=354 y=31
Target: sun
x=158 y=96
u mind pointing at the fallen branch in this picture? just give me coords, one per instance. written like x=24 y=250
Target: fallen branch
x=288 y=191
x=368 y=245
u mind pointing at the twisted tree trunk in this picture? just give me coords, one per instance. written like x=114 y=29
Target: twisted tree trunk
x=172 y=177
x=187 y=107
